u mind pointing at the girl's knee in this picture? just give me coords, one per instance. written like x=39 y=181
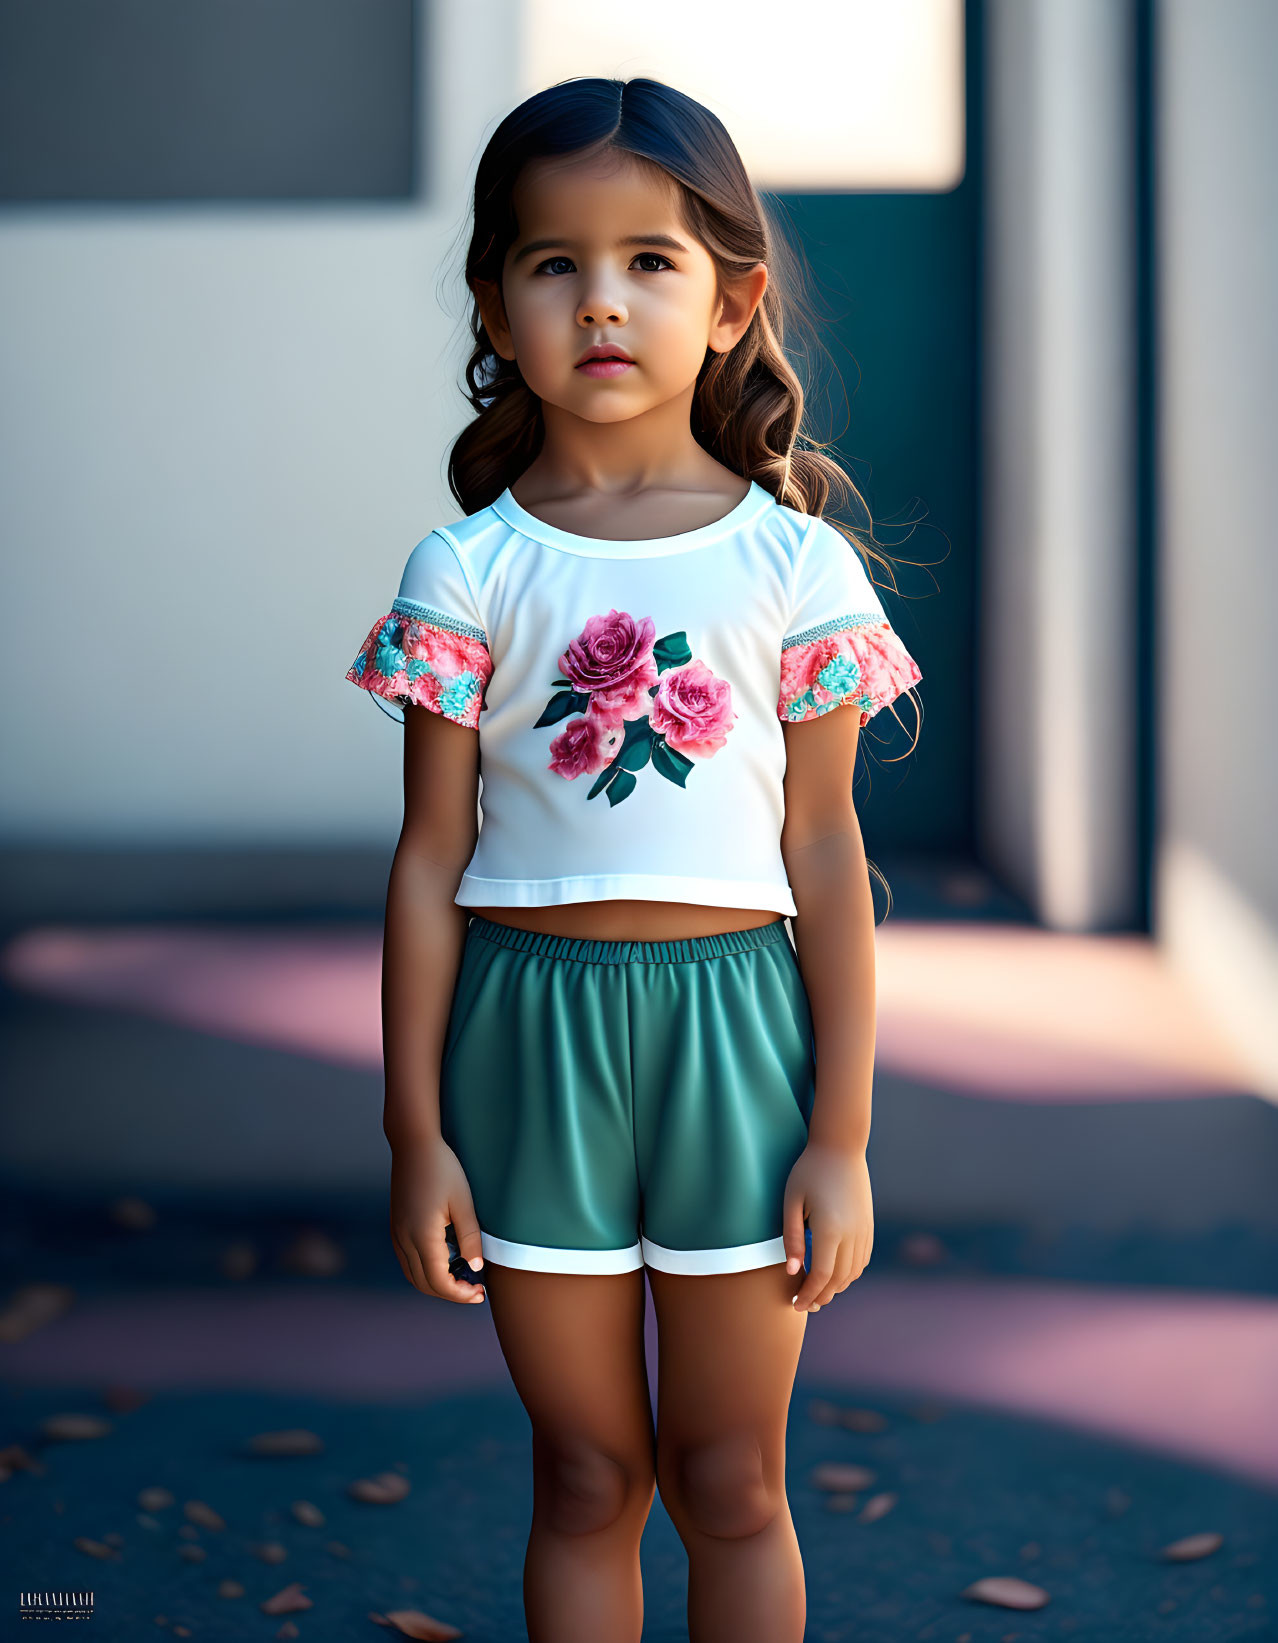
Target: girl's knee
x=581 y=1490
x=720 y=1487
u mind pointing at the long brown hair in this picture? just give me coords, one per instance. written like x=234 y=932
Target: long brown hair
x=748 y=404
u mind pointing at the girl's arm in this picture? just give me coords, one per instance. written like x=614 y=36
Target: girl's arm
x=834 y=941
x=425 y=929
x=425 y=932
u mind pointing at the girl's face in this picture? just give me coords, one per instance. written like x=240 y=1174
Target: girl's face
x=603 y=257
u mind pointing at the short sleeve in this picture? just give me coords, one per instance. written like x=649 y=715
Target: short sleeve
x=839 y=647
x=430 y=649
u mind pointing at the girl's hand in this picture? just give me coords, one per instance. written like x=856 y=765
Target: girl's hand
x=428 y=1190
x=831 y=1188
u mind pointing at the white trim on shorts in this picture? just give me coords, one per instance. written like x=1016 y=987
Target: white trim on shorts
x=735 y=1258
x=703 y=1262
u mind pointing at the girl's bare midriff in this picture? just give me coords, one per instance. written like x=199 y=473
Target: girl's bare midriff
x=630 y=920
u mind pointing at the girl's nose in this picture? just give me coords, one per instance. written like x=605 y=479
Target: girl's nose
x=597 y=309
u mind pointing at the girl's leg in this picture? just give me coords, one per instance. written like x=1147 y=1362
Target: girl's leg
x=728 y=1349
x=574 y=1345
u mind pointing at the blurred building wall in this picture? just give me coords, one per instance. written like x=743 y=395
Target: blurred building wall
x=223 y=430
x=1059 y=700
x=1217 y=210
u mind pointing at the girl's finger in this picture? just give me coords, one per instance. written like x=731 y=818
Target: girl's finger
x=466 y=1232
x=442 y=1282
x=792 y=1230
x=825 y=1248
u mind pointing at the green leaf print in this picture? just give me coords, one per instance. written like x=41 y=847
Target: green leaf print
x=672 y=651
x=561 y=704
x=668 y=763
x=633 y=754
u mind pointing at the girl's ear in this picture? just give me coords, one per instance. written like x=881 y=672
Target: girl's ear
x=736 y=308
x=492 y=311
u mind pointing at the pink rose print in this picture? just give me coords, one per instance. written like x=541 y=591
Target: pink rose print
x=693 y=710
x=611 y=660
x=632 y=700
x=584 y=746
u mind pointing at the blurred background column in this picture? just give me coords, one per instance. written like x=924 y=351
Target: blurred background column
x=1216 y=865
x=1057 y=810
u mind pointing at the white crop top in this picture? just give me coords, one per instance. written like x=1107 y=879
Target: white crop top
x=629 y=696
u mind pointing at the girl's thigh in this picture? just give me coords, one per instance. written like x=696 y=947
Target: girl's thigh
x=574 y=1345
x=728 y=1350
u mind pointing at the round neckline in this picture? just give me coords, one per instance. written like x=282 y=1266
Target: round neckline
x=527 y=524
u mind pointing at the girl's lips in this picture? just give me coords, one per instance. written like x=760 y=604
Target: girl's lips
x=605 y=367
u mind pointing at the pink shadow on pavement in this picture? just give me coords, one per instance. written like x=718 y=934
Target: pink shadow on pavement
x=998 y=1011
x=1186 y=1374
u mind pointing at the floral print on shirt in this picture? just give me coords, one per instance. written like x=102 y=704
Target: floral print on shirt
x=419 y=656
x=855 y=659
x=633 y=700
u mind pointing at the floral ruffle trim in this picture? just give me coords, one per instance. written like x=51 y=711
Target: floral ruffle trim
x=852 y=660
x=418 y=656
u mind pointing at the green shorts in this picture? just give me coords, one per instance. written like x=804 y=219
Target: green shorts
x=616 y=1104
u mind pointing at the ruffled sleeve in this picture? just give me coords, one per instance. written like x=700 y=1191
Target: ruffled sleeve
x=430 y=649
x=839 y=648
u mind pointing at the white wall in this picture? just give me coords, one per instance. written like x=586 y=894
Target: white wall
x=223 y=430
x=1217 y=865
x=1057 y=780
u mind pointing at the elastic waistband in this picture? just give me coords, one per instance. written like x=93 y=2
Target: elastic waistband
x=626 y=952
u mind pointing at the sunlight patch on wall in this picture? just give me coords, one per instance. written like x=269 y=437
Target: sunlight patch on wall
x=835 y=95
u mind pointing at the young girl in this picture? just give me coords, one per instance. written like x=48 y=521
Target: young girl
x=603 y=1054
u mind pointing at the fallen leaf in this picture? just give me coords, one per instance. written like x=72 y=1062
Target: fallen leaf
x=841 y=1475
x=840 y=1503
x=413 y=1623
x=270 y=1551
x=74 y=1428
x=154 y=1499
x=230 y=1588
x=289 y=1599
x=134 y=1213
x=288 y=1629
x=181 y=1631
x=1006 y=1592
x=862 y=1420
x=921 y=1249
x=16 y=1459
x=205 y=1516
x=308 y=1514
x=386 y=1489
x=92 y=1548
x=123 y=1400
x=1190 y=1547
x=295 y=1441
x=877 y=1506
x=314 y=1254
x=30 y=1307
x=238 y=1261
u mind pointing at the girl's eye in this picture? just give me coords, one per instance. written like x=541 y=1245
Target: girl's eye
x=654 y=256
